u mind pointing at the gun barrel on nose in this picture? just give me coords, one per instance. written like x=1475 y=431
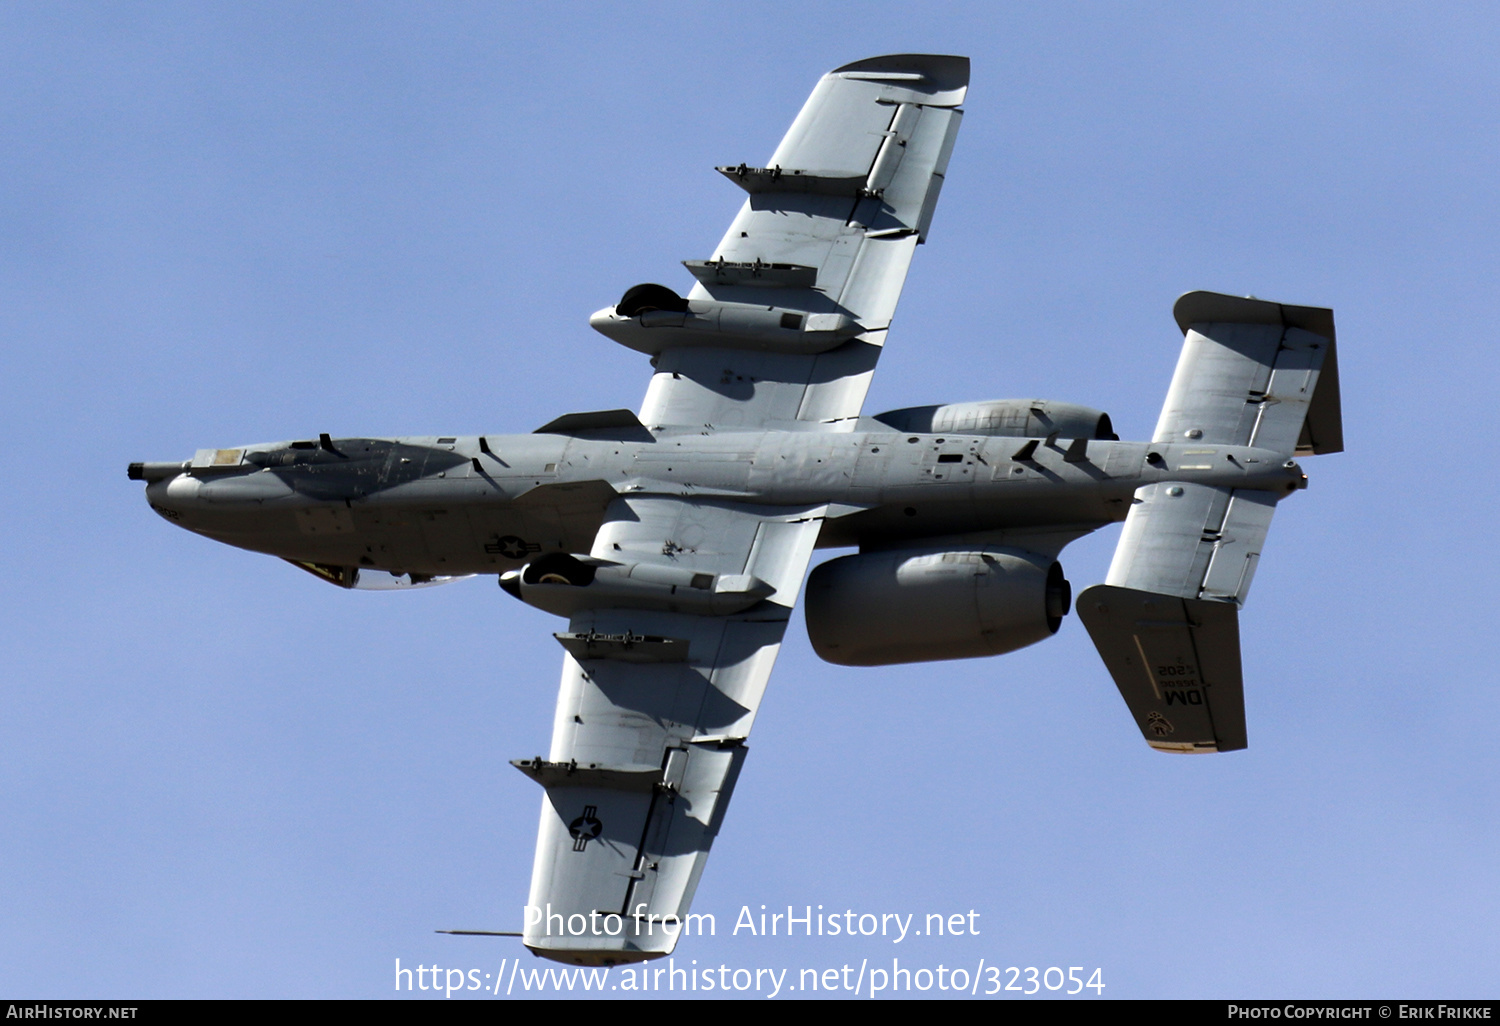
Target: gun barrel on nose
x=149 y=472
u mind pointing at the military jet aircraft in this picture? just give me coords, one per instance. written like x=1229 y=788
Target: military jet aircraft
x=674 y=541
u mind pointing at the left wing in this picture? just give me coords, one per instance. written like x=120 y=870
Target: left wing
x=824 y=240
x=651 y=724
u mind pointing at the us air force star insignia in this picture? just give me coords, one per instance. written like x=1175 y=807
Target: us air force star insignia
x=511 y=547
x=1159 y=724
x=585 y=828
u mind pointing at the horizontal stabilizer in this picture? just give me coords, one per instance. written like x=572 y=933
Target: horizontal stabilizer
x=1193 y=541
x=1176 y=662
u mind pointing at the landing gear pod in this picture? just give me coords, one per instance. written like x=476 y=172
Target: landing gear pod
x=564 y=584
x=641 y=299
x=912 y=606
x=651 y=318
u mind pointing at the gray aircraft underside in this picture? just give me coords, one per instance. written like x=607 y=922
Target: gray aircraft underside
x=674 y=542
x=455 y=509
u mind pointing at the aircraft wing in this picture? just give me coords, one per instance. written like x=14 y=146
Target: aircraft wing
x=655 y=705
x=651 y=723
x=828 y=230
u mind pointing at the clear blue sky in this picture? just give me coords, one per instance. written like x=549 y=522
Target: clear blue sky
x=223 y=224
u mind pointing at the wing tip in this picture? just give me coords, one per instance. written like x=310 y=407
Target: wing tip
x=598 y=954
x=940 y=74
x=1191 y=747
x=1201 y=305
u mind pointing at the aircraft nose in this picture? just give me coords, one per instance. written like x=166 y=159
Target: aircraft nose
x=173 y=495
x=158 y=478
x=201 y=502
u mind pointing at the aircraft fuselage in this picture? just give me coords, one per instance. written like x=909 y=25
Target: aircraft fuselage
x=473 y=505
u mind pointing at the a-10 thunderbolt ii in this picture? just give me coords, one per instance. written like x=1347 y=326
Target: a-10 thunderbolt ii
x=673 y=542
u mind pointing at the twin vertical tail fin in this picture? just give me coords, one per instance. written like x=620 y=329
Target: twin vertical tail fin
x=1176 y=662
x=1166 y=620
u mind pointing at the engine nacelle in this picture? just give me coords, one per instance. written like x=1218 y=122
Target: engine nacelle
x=922 y=605
x=652 y=318
x=1018 y=418
x=564 y=584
